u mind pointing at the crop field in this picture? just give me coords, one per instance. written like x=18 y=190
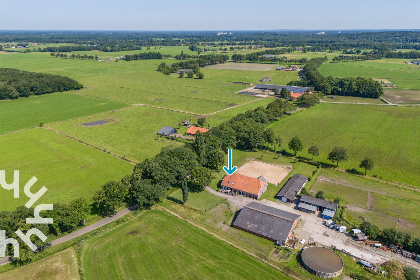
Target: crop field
x=389 y=135
x=131 y=132
x=405 y=76
x=28 y=112
x=60 y=266
x=159 y=246
x=382 y=204
x=68 y=169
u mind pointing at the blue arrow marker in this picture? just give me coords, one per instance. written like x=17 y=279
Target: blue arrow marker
x=230 y=170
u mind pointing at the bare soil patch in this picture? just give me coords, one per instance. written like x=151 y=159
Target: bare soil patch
x=193 y=91
x=243 y=66
x=158 y=99
x=273 y=173
x=398 y=96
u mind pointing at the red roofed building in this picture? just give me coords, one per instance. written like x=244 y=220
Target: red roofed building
x=192 y=130
x=244 y=185
x=297 y=94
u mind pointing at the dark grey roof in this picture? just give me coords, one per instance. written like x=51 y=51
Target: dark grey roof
x=167 y=130
x=415 y=61
x=319 y=202
x=265 y=79
x=309 y=207
x=185 y=70
x=292 y=188
x=266 y=221
x=280 y=87
x=262 y=178
x=269 y=55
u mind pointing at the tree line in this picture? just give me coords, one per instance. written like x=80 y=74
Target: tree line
x=392 y=236
x=146 y=55
x=73 y=56
x=259 y=57
x=193 y=64
x=16 y=83
x=360 y=87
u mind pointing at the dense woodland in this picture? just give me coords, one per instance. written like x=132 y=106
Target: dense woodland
x=119 y=41
x=15 y=83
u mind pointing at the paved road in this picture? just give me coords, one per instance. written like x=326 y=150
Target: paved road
x=311 y=228
x=80 y=232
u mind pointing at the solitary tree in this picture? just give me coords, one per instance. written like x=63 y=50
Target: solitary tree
x=285 y=93
x=338 y=154
x=367 y=164
x=269 y=136
x=200 y=75
x=295 y=145
x=190 y=75
x=314 y=151
x=320 y=195
x=181 y=74
x=201 y=121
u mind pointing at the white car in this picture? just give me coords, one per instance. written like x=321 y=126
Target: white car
x=302 y=241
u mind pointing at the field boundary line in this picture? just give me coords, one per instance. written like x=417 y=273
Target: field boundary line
x=169 y=109
x=219 y=237
x=209 y=114
x=90 y=145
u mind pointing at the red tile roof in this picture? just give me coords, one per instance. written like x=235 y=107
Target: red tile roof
x=243 y=183
x=194 y=129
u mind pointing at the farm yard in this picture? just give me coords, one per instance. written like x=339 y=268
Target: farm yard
x=389 y=135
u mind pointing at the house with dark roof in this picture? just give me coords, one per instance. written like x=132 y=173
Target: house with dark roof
x=328 y=208
x=243 y=185
x=266 y=79
x=416 y=62
x=292 y=188
x=267 y=222
x=167 y=131
x=280 y=87
x=184 y=70
x=192 y=130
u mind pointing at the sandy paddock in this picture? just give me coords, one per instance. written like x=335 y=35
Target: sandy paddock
x=273 y=173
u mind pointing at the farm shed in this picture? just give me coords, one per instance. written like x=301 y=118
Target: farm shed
x=192 y=130
x=322 y=204
x=184 y=70
x=269 y=56
x=267 y=222
x=292 y=188
x=244 y=185
x=266 y=79
x=307 y=208
x=167 y=131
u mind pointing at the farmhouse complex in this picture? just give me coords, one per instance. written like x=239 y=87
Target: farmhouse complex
x=243 y=185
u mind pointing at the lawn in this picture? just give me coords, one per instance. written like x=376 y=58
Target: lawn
x=389 y=135
x=68 y=169
x=405 y=76
x=203 y=201
x=131 y=132
x=28 y=112
x=59 y=266
x=159 y=246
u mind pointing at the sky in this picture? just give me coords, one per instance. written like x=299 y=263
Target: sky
x=219 y=15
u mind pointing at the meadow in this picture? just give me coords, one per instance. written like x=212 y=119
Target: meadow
x=130 y=132
x=60 y=266
x=405 y=76
x=28 y=112
x=388 y=135
x=68 y=169
x=385 y=205
x=157 y=245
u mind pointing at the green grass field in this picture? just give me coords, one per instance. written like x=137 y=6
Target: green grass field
x=68 y=169
x=159 y=246
x=131 y=132
x=28 y=112
x=389 y=135
x=59 y=266
x=405 y=76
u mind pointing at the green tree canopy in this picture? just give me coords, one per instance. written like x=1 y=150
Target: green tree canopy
x=338 y=154
x=295 y=145
x=367 y=164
